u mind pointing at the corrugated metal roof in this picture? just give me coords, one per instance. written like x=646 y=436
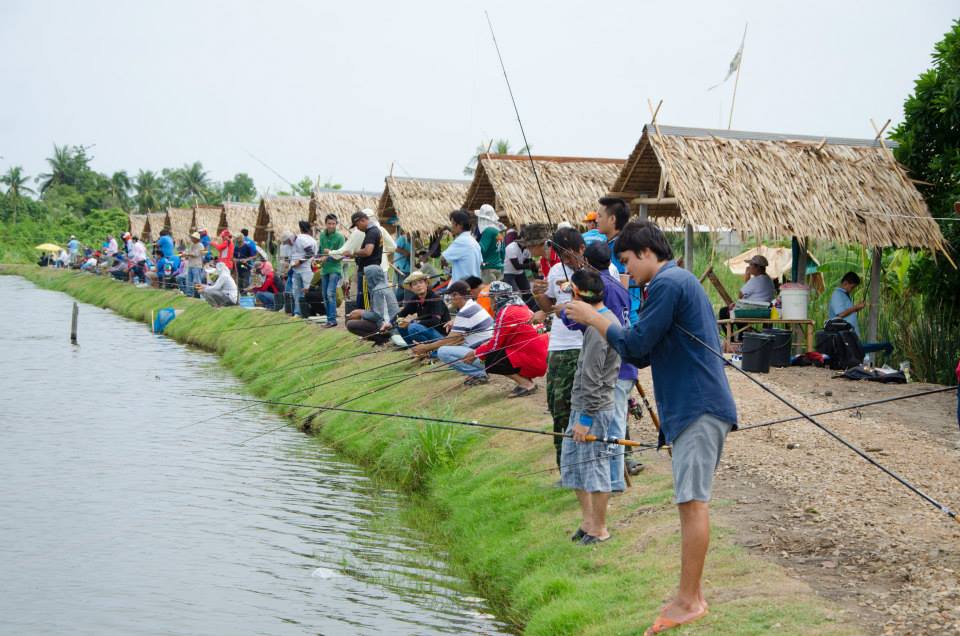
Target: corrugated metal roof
x=682 y=131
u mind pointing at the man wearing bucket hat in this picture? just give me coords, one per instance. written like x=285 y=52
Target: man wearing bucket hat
x=423 y=313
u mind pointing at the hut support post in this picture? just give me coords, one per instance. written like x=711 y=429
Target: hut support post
x=874 y=300
x=801 y=276
x=688 y=247
x=643 y=210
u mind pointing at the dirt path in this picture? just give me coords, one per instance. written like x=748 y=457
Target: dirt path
x=851 y=532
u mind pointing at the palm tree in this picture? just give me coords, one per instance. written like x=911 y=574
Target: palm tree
x=496 y=147
x=149 y=190
x=16 y=183
x=61 y=168
x=193 y=182
x=120 y=189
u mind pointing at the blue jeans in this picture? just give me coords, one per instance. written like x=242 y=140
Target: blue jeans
x=448 y=353
x=329 y=286
x=296 y=288
x=618 y=428
x=268 y=300
x=194 y=277
x=418 y=333
x=360 y=303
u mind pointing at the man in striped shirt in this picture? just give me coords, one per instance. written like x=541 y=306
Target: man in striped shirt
x=472 y=326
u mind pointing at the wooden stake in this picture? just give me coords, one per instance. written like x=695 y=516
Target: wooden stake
x=73 y=324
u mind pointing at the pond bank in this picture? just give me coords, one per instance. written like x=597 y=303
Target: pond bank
x=506 y=534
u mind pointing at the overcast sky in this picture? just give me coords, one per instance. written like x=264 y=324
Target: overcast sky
x=340 y=90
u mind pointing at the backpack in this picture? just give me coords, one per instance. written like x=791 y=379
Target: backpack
x=842 y=347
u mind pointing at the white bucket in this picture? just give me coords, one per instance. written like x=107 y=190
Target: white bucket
x=793 y=301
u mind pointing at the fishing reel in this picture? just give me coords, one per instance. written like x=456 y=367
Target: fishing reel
x=635 y=408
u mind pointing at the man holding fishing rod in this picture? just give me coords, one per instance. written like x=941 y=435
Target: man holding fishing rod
x=692 y=393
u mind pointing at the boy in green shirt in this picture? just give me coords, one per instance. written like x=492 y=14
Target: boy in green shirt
x=332 y=269
x=491 y=243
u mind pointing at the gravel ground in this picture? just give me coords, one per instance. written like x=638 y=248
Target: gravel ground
x=830 y=518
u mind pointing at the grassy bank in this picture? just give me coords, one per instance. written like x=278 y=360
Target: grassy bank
x=506 y=534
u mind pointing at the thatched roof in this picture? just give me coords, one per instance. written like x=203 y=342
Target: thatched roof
x=571 y=187
x=136 y=225
x=236 y=216
x=180 y=222
x=846 y=190
x=343 y=203
x=421 y=205
x=207 y=217
x=155 y=222
x=280 y=214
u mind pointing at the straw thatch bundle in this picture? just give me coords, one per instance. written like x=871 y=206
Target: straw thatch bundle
x=155 y=222
x=136 y=225
x=236 y=216
x=571 y=187
x=280 y=214
x=343 y=203
x=846 y=190
x=207 y=217
x=421 y=206
x=180 y=222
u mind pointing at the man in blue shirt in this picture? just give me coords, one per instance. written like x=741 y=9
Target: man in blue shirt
x=464 y=253
x=245 y=254
x=841 y=306
x=693 y=396
x=614 y=214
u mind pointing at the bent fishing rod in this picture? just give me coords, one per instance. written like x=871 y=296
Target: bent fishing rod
x=863 y=455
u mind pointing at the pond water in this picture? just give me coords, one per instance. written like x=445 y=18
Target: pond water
x=117 y=516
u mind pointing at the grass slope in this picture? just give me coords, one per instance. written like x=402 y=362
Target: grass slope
x=504 y=533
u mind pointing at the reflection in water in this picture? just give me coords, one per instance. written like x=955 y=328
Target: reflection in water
x=116 y=521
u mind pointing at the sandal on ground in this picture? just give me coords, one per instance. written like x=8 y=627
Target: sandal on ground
x=664 y=624
x=519 y=391
x=475 y=380
x=589 y=539
x=579 y=534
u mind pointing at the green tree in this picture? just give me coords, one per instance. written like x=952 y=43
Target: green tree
x=240 y=188
x=149 y=191
x=303 y=187
x=929 y=146
x=16 y=183
x=120 y=186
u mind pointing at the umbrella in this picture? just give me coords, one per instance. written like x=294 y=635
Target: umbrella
x=48 y=247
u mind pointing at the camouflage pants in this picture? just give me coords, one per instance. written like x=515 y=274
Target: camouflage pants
x=561 y=367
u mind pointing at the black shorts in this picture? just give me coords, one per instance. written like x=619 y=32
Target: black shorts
x=498 y=363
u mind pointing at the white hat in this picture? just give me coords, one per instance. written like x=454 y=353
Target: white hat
x=487 y=217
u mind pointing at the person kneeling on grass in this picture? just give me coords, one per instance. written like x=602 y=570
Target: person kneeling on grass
x=692 y=393
x=471 y=327
x=516 y=350
x=423 y=312
x=223 y=292
x=585 y=466
x=375 y=323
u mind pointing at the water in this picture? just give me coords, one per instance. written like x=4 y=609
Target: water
x=114 y=519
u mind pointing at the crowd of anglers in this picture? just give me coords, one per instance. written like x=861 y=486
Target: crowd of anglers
x=584 y=310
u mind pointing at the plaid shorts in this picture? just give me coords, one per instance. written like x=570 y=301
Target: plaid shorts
x=586 y=465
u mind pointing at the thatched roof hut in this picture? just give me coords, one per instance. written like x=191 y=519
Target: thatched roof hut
x=280 y=214
x=571 y=186
x=846 y=190
x=136 y=224
x=180 y=222
x=421 y=206
x=154 y=222
x=343 y=203
x=236 y=216
x=207 y=217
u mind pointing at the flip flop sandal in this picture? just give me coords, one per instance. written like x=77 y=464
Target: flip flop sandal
x=521 y=392
x=579 y=534
x=664 y=624
x=589 y=539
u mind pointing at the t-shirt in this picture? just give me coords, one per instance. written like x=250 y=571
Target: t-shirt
x=373 y=237
x=165 y=243
x=463 y=254
x=840 y=301
x=562 y=338
x=400 y=261
x=514 y=251
x=759 y=289
x=491 y=248
x=331 y=241
x=304 y=249
x=474 y=323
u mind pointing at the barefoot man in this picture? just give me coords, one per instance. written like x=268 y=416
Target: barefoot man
x=693 y=396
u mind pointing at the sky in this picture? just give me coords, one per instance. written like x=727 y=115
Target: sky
x=342 y=91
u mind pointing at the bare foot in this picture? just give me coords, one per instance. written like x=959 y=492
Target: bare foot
x=681 y=612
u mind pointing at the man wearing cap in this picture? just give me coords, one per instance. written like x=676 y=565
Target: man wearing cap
x=592 y=235
x=759 y=288
x=194 y=256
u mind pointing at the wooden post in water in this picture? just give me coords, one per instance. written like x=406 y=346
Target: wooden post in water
x=73 y=324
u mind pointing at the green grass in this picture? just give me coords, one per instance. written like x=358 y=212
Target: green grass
x=505 y=534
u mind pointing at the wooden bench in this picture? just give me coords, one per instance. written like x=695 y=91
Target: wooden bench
x=736 y=326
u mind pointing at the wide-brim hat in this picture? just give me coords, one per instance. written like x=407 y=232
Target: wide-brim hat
x=535 y=234
x=414 y=277
x=195 y=235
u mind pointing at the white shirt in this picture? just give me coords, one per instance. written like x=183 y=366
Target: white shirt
x=139 y=252
x=514 y=251
x=304 y=249
x=561 y=338
x=474 y=323
x=112 y=247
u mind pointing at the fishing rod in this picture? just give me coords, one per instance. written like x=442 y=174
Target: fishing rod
x=526 y=144
x=863 y=455
x=436 y=420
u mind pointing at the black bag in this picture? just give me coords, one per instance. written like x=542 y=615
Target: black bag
x=842 y=347
x=837 y=325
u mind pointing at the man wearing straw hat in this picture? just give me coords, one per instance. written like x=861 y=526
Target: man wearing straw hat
x=423 y=313
x=194 y=256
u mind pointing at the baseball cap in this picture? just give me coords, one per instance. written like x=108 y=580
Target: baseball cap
x=589 y=217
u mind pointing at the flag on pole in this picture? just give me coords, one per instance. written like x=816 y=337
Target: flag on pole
x=734 y=63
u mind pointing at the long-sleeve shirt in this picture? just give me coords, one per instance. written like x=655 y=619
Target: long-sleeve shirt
x=269 y=285
x=430 y=311
x=525 y=348
x=597 y=367
x=225 y=283
x=688 y=380
x=225 y=250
